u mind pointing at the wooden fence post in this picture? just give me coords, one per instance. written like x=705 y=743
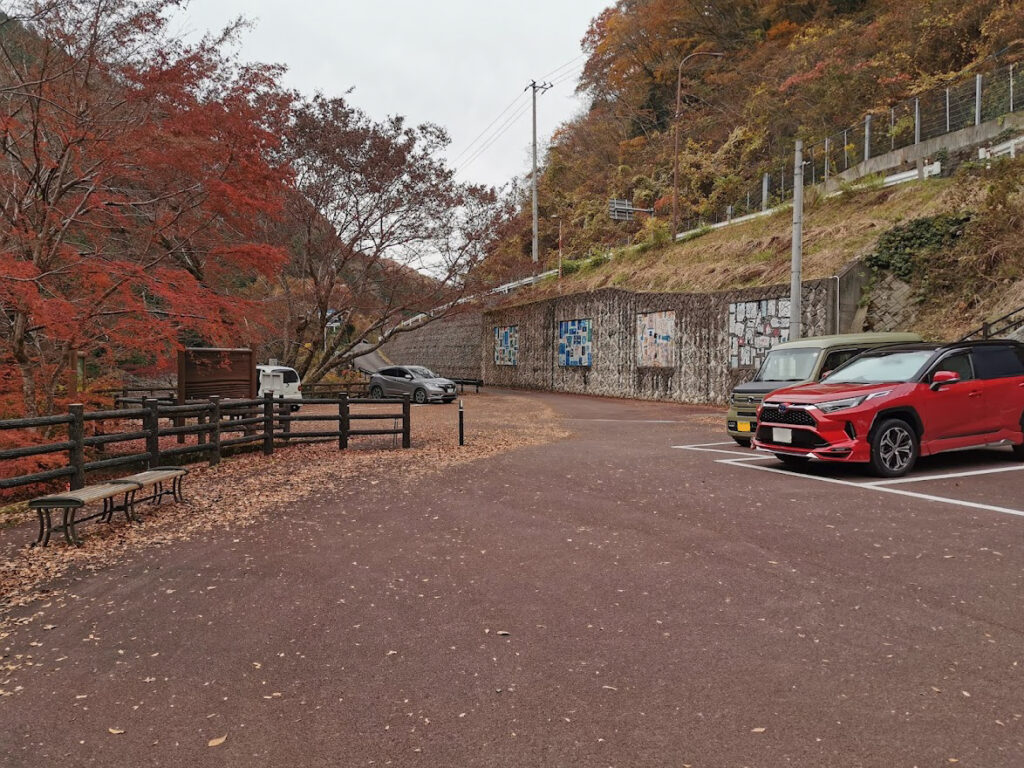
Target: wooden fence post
x=76 y=435
x=151 y=425
x=406 y=422
x=215 y=433
x=268 y=423
x=286 y=423
x=343 y=422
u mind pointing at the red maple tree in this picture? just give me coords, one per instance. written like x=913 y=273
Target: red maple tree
x=136 y=172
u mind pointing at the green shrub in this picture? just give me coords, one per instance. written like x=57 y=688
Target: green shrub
x=899 y=247
x=655 y=233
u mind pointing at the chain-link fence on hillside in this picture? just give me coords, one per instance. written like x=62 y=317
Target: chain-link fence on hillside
x=934 y=113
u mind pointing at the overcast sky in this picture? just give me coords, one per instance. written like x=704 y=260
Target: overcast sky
x=457 y=63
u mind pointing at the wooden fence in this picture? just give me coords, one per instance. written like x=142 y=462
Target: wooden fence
x=217 y=425
x=128 y=396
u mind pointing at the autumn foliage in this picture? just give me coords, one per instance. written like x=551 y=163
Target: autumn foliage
x=156 y=193
x=806 y=69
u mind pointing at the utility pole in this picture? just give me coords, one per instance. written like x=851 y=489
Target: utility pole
x=798 y=243
x=559 y=247
x=542 y=87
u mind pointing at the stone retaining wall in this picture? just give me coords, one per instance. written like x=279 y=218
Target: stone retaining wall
x=718 y=340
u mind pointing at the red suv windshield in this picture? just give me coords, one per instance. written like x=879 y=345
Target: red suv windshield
x=882 y=368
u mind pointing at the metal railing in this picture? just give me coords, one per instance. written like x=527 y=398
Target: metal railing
x=1009 y=323
x=929 y=115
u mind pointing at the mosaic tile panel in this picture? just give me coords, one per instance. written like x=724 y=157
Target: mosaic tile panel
x=656 y=340
x=506 y=345
x=575 y=343
x=754 y=328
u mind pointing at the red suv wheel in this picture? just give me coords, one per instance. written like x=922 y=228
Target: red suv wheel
x=894 y=448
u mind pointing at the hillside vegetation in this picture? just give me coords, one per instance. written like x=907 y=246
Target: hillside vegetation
x=805 y=69
x=955 y=240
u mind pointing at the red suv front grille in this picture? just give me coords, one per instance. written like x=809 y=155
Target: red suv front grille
x=796 y=416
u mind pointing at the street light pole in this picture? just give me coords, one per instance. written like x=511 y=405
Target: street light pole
x=675 y=136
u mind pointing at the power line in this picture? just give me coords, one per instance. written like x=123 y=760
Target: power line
x=497 y=128
x=502 y=129
x=571 y=75
x=553 y=72
x=485 y=130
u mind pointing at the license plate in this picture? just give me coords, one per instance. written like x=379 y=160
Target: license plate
x=742 y=426
x=780 y=435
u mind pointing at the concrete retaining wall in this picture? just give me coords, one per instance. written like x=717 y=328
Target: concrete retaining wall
x=706 y=356
x=450 y=347
x=919 y=153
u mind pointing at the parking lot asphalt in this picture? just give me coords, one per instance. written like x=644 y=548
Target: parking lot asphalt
x=641 y=593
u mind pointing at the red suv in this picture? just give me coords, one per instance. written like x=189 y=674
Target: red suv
x=888 y=406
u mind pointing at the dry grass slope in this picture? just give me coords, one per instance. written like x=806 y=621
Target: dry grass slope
x=837 y=231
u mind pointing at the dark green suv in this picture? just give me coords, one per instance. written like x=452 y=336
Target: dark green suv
x=797 y=362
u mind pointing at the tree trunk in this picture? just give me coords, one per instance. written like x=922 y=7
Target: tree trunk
x=28 y=382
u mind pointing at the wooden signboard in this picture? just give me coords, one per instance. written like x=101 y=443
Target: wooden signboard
x=229 y=373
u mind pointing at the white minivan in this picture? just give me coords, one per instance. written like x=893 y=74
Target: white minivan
x=282 y=381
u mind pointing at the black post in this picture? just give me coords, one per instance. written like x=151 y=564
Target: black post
x=151 y=425
x=215 y=432
x=76 y=435
x=268 y=423
x=406 y=422
x=343 y=422
x=462 y=424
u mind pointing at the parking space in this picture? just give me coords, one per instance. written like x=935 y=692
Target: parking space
x=983 y=479
x=590 y=597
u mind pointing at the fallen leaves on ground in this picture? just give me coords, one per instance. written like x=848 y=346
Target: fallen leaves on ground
x=244 y=488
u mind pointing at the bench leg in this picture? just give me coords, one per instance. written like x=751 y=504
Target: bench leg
x=158 y=494
x=70 y=535
x=176 y=488
x=108 y=511
x=44 y=528
x=129 y=507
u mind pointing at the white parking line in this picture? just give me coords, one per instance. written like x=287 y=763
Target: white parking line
x=880 y=489
x=919 y=478
x=702 y=449
x=880 y=486
x=639 y=421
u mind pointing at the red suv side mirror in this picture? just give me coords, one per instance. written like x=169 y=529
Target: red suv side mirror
x=944 y=378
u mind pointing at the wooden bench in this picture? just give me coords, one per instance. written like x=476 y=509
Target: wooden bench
x=155 y=479
x=70 y=502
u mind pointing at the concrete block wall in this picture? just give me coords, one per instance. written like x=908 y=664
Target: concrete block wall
x=702 y=371
x=893 y=305
x=450 y=346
